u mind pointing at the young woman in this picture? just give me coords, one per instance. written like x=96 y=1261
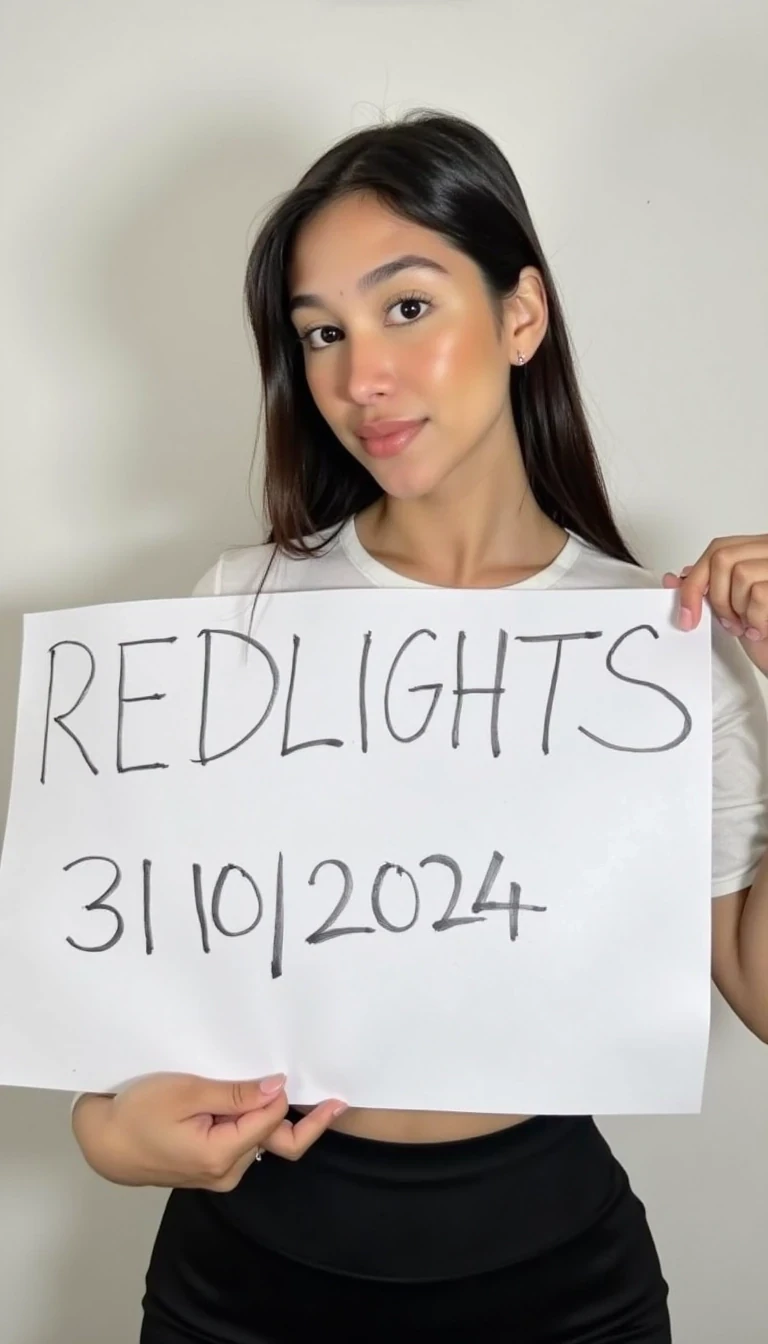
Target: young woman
x=424 y=427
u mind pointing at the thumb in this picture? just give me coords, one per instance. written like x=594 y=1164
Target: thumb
x=212 y=1097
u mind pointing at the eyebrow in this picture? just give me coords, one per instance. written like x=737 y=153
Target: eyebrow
x=408 y=261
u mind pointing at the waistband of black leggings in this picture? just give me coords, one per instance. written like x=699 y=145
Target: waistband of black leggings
x=428 y=1211
x=444 y=1160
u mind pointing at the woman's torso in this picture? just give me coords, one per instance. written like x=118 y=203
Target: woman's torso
x=394 y=1126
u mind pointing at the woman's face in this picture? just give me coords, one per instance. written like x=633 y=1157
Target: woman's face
x=421 y=344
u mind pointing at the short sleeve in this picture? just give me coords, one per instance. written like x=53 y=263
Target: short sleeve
x=78 y=1095
x=739 y=767
x=210 y=584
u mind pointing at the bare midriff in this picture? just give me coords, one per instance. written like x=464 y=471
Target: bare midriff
x=418 y=1126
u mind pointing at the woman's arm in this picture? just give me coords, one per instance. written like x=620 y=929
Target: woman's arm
x=740 y=951
x=733 y=574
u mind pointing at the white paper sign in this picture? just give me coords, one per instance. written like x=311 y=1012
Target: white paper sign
x=418 y=849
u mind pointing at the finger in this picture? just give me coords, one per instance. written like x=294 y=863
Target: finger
x=756 y=609
x=206 y=1096
x=694 y=586
x=738 y=566
x=721 y=555
x=233 y=1176
x=229 y=1140
x=747 y=575
x=723 y=592
x=292 y=1141
x=670 y=580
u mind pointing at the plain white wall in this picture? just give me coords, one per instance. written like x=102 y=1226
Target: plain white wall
x=141 y=143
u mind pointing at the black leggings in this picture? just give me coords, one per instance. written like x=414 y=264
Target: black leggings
x=529 y=1236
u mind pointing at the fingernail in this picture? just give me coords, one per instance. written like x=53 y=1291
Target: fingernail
x=340 y=1109
x=727 y=625
x=685 y=571
x=686 y=619
x=753 y=634
x=273 y=1083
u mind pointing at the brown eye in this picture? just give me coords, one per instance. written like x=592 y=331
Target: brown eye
x=410 y=301
x=305 y=338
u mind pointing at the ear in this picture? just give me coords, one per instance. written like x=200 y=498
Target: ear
x=526 y=315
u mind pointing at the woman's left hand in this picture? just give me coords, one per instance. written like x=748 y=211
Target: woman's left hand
x=733 y=573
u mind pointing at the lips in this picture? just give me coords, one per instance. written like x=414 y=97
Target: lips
x=389 y=437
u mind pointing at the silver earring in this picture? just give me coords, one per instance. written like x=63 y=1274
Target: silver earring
x=520 y=357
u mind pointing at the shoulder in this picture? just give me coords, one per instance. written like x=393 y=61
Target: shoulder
x=593 y=568
x=243 y=569
x=237 y=570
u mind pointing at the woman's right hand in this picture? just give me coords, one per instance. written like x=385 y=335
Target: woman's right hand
x=172 y=1129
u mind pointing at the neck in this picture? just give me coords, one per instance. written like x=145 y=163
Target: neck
x=481 y=529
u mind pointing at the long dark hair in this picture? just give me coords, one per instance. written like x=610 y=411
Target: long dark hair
x=441 y=172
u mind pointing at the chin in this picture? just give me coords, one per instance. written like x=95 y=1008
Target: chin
x=401 y=480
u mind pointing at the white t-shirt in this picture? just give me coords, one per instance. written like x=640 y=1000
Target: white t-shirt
x=740 y=724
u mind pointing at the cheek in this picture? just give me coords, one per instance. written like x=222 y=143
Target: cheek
x=459 y=378
x=450 y=372
x=445 y=361
x=318 y=382
x=460 y=364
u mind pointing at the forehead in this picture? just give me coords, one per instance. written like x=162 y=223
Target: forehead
x=351 y=236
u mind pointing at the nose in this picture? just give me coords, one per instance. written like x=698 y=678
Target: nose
x=368 y=367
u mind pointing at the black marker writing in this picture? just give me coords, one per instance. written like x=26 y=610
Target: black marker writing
x=218 y=891
x=652 y=685
x=205 y=756
x=326 y=930
x=497 y=690
x=434 y=687
x=543 y=639
x=101 y=902
x=447 y=920
x=481 y=901
x=512 y=905
x=123 y=699
x=216 y=901
x=329 y=929
x=197 y=883
x=299 y=746
x=362 y=703
x=278 y=936
x=59 y=718
x=149 y=942
x=357 y=683
x=376 y=898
